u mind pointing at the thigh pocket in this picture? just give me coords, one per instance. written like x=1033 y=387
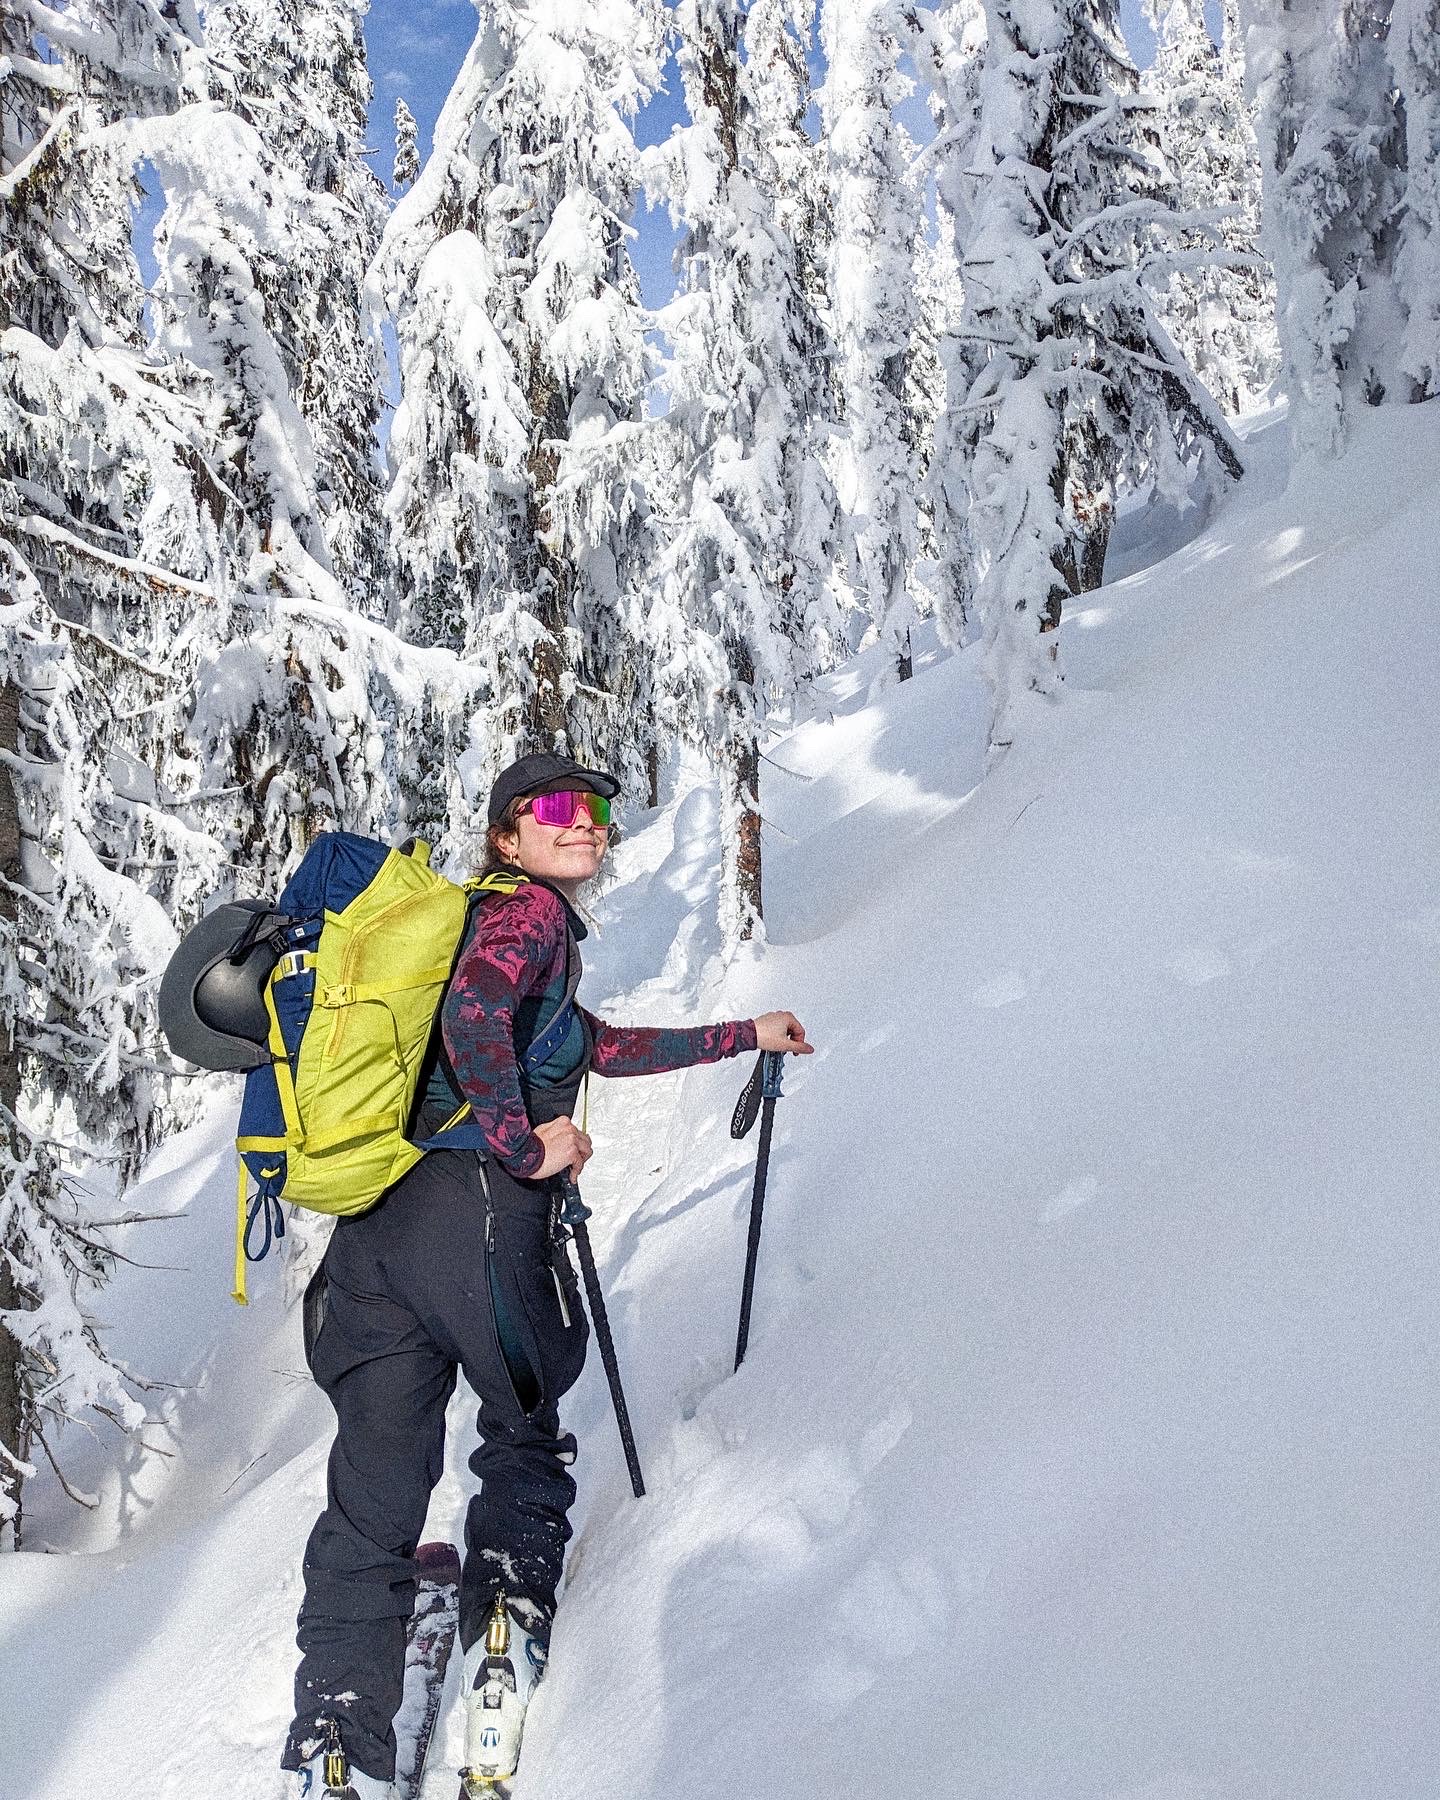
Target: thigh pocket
x=558 y=1312
x=544 y=1299
x=312 y=1314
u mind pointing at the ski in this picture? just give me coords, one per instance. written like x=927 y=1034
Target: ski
x=428 y=1643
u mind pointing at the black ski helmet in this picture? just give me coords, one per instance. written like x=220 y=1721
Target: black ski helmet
x=212 y=995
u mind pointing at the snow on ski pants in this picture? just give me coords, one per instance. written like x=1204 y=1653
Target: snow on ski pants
x=430 y=1281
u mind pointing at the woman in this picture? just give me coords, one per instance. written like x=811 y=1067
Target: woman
x=460 y=1266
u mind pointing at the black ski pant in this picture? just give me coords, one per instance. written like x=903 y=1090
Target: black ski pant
x=432 y=1280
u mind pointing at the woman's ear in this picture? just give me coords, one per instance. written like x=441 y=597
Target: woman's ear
x=508 y=844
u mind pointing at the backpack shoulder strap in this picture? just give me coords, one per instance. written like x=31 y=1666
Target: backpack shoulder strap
x=557 y=1027
x=498 y=881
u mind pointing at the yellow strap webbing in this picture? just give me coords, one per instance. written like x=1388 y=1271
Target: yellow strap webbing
x=237 y=1293
x=498 y=881
x=347 y=993
x=369 y=1125
x=283 y=1080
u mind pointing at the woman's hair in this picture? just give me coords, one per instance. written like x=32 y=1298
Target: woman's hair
x=504 y=826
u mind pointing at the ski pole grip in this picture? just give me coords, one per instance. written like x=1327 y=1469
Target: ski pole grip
x=574 y=1211
x=764 y=1084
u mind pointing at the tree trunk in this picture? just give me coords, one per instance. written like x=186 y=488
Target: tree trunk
x=747 y=837
x=745 y=773
x=12 y=1384
x=12 y=1410
x=549 y=723
x=1084 y=487
x=652 y=769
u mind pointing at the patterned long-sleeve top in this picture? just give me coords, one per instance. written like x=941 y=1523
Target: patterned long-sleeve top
x=510 y=977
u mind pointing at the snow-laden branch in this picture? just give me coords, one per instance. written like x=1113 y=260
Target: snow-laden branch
x=938 y=147
x=161 y=579
x=78 y=31
x=1135 y=211
x=1112 y=102
x=11 y=184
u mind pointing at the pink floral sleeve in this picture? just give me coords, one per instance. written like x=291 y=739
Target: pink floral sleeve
x=517 y=949
x=651 y=1049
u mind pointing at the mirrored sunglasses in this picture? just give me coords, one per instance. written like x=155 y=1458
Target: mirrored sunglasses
x=561 y=809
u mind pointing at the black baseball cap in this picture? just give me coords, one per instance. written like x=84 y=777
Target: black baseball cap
x=546 y=772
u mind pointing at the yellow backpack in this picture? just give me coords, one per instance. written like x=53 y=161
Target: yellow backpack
x=352 y=1011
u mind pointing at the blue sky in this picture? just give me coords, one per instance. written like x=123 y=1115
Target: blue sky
x=416 y=47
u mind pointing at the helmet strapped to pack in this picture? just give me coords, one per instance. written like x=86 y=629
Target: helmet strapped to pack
x=212 y=996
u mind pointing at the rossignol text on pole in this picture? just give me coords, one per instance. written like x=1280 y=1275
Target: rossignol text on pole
x=760 y=1093
x=573 y=1214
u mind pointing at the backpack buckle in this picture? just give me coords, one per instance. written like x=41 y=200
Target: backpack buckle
x=291 y=963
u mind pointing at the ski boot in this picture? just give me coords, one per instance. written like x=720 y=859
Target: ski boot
x=502 y=1671
x=329 y=1776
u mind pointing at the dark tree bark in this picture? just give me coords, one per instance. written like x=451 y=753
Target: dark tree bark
x=548 y=724
x=13 y=1433
x=747 y=838
x=652 y=769
x=745 y=773
x=719 y=55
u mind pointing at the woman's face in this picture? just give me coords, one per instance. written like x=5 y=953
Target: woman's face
x=568 y=854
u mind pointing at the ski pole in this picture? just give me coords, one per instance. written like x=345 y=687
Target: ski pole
x=760 y=1093
x=573 y=1215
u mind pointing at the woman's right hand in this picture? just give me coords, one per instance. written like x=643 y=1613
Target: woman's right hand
x=566 y=1147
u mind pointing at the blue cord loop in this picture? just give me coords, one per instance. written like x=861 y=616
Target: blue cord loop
x=265 y=1206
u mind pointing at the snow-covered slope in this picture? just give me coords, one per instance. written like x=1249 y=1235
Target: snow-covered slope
x=1087 y=1442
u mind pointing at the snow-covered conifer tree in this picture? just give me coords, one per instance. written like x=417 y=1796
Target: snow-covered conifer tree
x=946 y=45
x=307 y=91
x=83 y=939
x=269 y=214
x=741 y=589
x=183 y=689
x=105 y=527
x=1080 y=387
x=1414 y=43
x=1333 y=151
x=1222 y=318
x=872 y=308
x=934 y=285
x=266 y=299
x=516 y=511
x=407 y=149
x=789 y=173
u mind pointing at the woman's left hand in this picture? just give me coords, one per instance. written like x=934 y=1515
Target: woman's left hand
x=781 y=1031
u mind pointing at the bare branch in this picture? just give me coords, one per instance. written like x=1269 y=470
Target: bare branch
x=88 y=1501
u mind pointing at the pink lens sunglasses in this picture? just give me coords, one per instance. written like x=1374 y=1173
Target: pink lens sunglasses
x=563 y=808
